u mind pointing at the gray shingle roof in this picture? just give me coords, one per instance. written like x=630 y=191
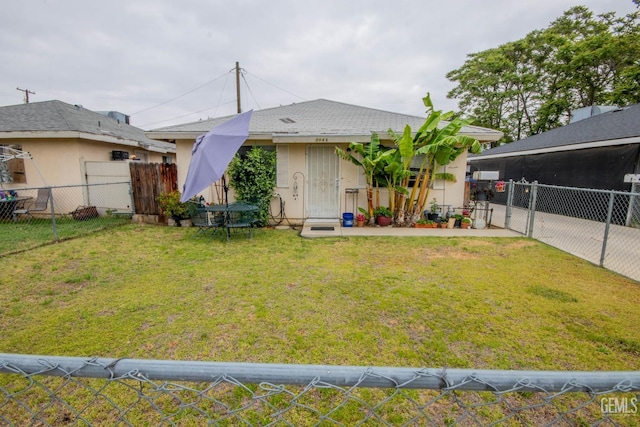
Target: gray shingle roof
x=613 y=125
x=57 y=116
x=324 y=117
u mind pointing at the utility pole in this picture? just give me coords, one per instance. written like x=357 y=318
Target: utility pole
x=238 y=87
x=26 y=94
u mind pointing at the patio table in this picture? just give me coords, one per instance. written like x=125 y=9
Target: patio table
x=236 y=215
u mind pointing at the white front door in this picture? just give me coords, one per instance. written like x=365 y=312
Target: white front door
x=324 y=182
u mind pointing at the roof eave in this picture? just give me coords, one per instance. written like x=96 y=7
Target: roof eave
x=571 y=147
x=82 y=135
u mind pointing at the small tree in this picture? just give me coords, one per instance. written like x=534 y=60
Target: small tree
x=253 y=179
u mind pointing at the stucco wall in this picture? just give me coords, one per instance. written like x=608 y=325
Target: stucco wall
x=61 y=161
x=446 y=192
x=293 y=193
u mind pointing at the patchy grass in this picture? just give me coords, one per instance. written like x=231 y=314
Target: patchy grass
x=167 y=293
x=160 y=292
x=19 y=236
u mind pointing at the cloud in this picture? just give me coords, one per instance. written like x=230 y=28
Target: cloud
x=130 y=56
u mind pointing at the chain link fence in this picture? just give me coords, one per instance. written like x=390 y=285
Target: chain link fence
x=600 y=226
x=30 y=217
x=52 y=391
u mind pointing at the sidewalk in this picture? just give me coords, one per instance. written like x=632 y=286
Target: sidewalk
x=329 y=228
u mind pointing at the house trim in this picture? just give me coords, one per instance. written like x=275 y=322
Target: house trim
x=571 y=147
x=79 y=135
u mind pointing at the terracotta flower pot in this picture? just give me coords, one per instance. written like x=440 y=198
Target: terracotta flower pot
x=360 y=223
x=383 y=221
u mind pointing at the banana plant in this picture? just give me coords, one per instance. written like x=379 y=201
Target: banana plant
x=438 y=147
x=371 y=158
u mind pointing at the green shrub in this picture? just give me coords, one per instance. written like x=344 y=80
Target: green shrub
x=171 y=205
x=253 y=178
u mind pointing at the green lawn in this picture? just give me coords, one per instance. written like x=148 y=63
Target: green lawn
x=167 y=293
x=23 y=235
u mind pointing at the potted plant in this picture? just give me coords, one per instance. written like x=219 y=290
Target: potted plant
x=465 y=222
x=367 y=219
x=360 y=219
x=383 y=215
x=172 y=207
x=422 y=223
x=458 y=218
x=434 y=210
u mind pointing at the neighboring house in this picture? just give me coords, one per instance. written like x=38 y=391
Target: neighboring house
x=595 y=152
x=66 y=140
x=312 y=182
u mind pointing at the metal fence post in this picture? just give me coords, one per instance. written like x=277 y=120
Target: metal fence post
x=133 y=205
x=635 y=189
x=606 y=228
x=532 y=206
x=507 y=216
x=53 y=215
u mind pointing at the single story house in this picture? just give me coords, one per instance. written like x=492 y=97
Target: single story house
x=65 y=145
x=595 y=152
x=312 y=181
x=64 y=139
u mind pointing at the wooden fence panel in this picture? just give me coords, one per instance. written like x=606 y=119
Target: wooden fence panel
x=148 y=180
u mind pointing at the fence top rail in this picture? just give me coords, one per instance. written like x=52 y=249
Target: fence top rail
x=344 y=376
x=560 y=187
x=69 y=186
x=92 y=185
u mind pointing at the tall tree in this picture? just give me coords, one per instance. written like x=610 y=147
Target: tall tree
x=531 y=85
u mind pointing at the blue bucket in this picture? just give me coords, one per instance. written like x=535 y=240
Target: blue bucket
x=347 y=219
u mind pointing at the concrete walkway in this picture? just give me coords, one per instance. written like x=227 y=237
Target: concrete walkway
x=328 y=228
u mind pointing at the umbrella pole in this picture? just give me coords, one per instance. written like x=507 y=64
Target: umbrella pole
x=226 y=190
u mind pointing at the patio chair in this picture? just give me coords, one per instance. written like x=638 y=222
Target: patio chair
x=39 y=205
x=244 y=219
x=200 y=218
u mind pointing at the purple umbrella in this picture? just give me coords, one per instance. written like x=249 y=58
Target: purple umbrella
x=212 y=153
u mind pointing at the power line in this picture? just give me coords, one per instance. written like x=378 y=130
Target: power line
x=279 y=88
x=242 y=74
x=184 y=94
x=249 y=89
x=188 y=114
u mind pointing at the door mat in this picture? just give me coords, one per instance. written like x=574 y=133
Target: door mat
x=322 y=228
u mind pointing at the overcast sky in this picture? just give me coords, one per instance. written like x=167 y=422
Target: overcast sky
x=167 y=62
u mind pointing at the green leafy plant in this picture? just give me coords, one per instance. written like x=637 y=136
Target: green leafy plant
x=171 y=205
x=364 y=212
x=372 y=158
x=253 y=178
x=434 y=206
x=382 y=211
x=466 y=220
x=446 y=176
x=437 y=146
